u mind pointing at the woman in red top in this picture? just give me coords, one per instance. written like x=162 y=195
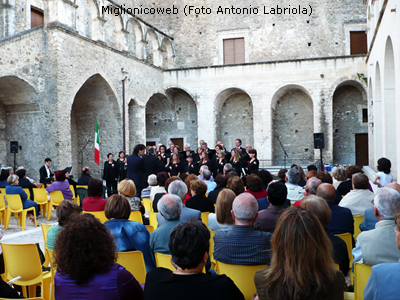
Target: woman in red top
x=254 y=186
x=94 y=201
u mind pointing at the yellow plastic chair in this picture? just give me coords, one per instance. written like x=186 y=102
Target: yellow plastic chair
x=204 y=218
x=153 y=219
x=136 y=216
x=242 y=276
x=347 y=238
x=3 y=191
x=74 y=197
x=23 y=260
x=150 y=228
x=133 y=261
x=28 y=193
x=15 y=207
x=164 y=261
x=40 y=196
x=148 y=205
x=211 y=253
x=98 y=215
x=3 y=209
x=361 y=273
x=53 y=273
x=45 y=229
x=56 y=197
x=357 y=222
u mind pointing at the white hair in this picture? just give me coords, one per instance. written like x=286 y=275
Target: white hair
x=178 y=188
x=243 y=211
x=170 y=206
x=387 y=202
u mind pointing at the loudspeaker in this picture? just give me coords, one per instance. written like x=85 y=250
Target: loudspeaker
x=319 y=142
x=14 y=146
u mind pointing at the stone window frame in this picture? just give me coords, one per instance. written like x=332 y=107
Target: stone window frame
x=352 y=27
x=233 y=34
x=360 y=114
x=37 y=5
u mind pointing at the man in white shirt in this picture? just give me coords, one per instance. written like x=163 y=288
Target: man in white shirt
x=360 y=197
x=295 y=192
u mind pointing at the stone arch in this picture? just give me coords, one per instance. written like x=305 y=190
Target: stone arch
x=22 y=120
x=350 y=117
x=168 y=53
x=152 y=48
x=234 y=117
x=389 y=104
x=378 y=130
x=173 y=115
x=135 y=38
x=95 y=100
x=292 y=116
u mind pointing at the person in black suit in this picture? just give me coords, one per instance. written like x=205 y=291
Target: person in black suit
x=220 y=162
x=191 y=166
x=84 y=179
x=252 y=163
x=136 y=167
x=236 y=161
x=46 y=176
x=151 y=164
x=25 y=183
x=111 y=173
x=238 y=144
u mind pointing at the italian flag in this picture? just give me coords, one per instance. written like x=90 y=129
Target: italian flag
x=97 y=145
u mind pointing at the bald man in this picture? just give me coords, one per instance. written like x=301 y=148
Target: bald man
x=243 y=245
x=342 y=219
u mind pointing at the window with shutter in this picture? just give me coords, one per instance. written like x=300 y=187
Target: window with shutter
x=37 y=17
x=234 y=51
x=358 y=42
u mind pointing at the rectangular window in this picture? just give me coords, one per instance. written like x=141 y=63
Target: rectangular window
x=358 y=42
x=234 y=51
x=365 y=115
x=37 y=17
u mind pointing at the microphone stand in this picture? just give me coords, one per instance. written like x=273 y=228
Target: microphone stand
x=81 y=151
x=284 y=151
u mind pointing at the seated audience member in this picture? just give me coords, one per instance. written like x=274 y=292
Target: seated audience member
x=161 y=179
x=25 y=183
x=128 y=188
x=220 y=181
x=227 y=168
x=341 y=219
x=299 y=268
x=302 y=176
x=378 y=245
x=3 y=178
x=265 y=176
x=206 y=178
x=170 y=208
x=198 y=200
x=200 y=176
x=61 y=183
x=338 y=176
x=152 y=181
x=310 y=188
x=84 y=179
x=320 y=208
x=94 y=201
x=189 y=245
x=178 y=188
x=128 y=235
x=267 y=218
x=85 y=256
x=312 y=173
x=30 y=179
x=282 y=175
x=255 y=186
x=222 y=219
x=360 y=197
x=295 y=192
x=158 y=196
x=65 y=211
x=312 y=168
x=188 y=180
x=384 y=279
x=325 y=177
x=13 y=189
x=346 y=186
x=235 y=183
x=243 y=245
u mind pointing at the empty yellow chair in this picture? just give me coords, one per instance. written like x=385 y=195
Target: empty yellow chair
x=242 y=276
x=153 y=219
x=133 y=261
x=361 y=273
x=136 y=216
x=357 y=222
x=23 y=260
x=98 y=215
x=45 y=229
x=148 y=205
x=74 y=197
x=150 y=228
x=56 y=197
x=164 y=261
x=349 y=243
x=40 y=196
x=204 y=218
x=15 y=207
x=211 y=253
x=3 y=209
x=53 y=273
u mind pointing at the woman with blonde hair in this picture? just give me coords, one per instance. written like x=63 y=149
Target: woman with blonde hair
x=222 y=219
x=236 y=160
x=128 y=188
x=339 y=175
x=302 y=266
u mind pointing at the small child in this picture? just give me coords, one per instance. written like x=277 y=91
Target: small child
x=384 y=176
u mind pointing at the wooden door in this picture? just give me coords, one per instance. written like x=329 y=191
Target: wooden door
x=362 y=149
x=178 y=142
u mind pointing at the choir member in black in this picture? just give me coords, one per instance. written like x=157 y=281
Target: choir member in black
x=191 y=166
x=164 y=155
x=197 y=158
x=178 y=151
x=236 y=160
x=122 y=165
x=111 y=173
x=204 y=160
x=220 y=162
x=175 y=166
x=253 y=163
